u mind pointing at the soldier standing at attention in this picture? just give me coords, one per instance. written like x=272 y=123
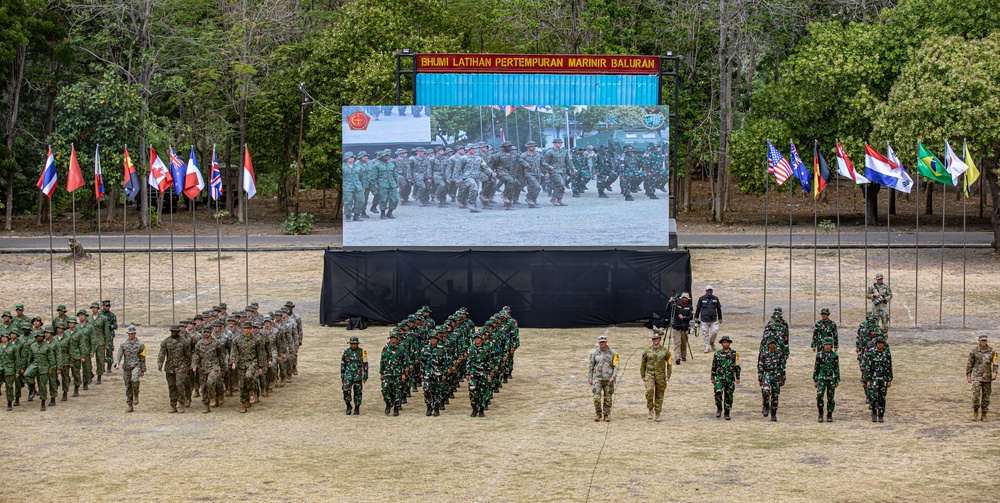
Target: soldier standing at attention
x=433 y=363
x=601 y=375
x=826 y=377
x=353 y=374
x=709 y=313
x=981 y=371
x=725 y=376
x=100 y=337
x=558 y=163
x=206 y=360
x=132 y=359
x=880 y=294
x=247 y=357
x=353 y=188
x=112 y=326
x=367 y=174
x=878 y=374
x=392 y=372
x=771 y=376
x=8 y=367
x=655 y=372
x=385 y=178
x=477 y=364
x=680 y=322
x=825 y=329
x=175 y=352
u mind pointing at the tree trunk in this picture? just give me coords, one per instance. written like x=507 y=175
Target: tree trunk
x=241 y=109
x=111 y=198
x=725 y=113
x=871 y=203
x=13 y=100
x=989 y=170
x=892 y=202
x=229 y=163
x=929 y=202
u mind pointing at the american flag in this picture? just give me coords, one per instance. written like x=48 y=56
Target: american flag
x=777 y=164
x=215 y=178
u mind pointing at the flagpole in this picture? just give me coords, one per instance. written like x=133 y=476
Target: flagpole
x=816 y=177
x=218 y=246
x=888 y=247
x=76 y=304
x=791 y=192
x=916 y=258
x=100 y=256
x=124 y=245
x=173 y=299
x=149 y=254
x=52 y=289
x=944 y=201
x=194 y=251
x=246 y=216
x=965 y=239
x=767 y=189
x=840 y=289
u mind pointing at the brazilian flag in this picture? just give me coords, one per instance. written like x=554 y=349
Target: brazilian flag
x=931 y=168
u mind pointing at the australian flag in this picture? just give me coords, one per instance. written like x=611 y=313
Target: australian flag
x=215 y=178
x=178 y=169
x=800 y=169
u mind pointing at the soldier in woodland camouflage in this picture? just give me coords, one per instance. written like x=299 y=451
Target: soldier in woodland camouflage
x=981 y=371
x=131 y=358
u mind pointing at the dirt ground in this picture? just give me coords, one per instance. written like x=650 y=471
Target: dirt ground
x=538 y=441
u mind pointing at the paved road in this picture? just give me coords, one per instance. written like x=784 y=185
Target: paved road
x=36 y=244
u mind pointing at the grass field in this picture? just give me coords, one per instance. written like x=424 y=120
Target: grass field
x=538 y=441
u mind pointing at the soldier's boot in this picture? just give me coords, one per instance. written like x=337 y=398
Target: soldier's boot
x=628 y=197
x=726 y=416
x=173 y=408
x=881 y=416
x=208 y=408
x=64 y=398
x=874 y=416
x=387 y=407
x=243 y=407
x=9 y=406
x=218 y=401
x=31 y=392
x=718 y=412
x=356 y=411
x=763 y=411
x=135 y=395
x=820 y=414
x=508 y=206
x=657 y=417
x=52 y=401
x=601 y=194
x=197 y=393
x=98 y=379
x=505 y=379
x=481 y=414
x=554 y=201
x=403 y=399
x=475 y=412
x=437 y=410
x=429 y=410
x=607 y=418
x=76 y=391
x=43 y=405
x=983 y=416
x=17 y=402
x=349 y=409
x=382 y=215
x=652 y=196
x=388 y=215
x=597 y=416
x=774 y=415
x=562 y=203
x=130 y=408
x=180 y=407
x=395 y=411
x=373 y=208
x=364 y=214
x=649 y=415
x=829 y=416
x=357 y=218
x=975 y=414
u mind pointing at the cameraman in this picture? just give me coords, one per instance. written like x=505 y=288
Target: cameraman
x=680 y=323
x=709 y=314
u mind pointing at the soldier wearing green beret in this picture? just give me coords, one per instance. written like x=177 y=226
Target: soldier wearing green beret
x=353 y=374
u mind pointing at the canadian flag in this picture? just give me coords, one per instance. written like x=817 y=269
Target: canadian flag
x=159 y=175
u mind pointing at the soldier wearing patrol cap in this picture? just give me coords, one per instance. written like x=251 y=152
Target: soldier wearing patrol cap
x=877 y=372
x=175 y=357
x=533 y=173
x=392 y=373
x=601 y=374
x=100 y=338
x=981 y=371
x=247 y=359
x=353 y=374
x=880 y=295
x=132 y=359
x=386 y=179
x=417 y=173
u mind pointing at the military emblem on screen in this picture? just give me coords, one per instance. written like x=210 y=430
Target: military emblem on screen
x=653 y=119
x=358 y=121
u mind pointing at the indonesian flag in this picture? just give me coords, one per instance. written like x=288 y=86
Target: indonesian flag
x=74 y=179
x=249 y=179
x=846 y=168
x=193 y=182
x=159 y=175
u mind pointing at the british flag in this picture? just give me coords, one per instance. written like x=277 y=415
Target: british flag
x=215 y=178
x=777 y=164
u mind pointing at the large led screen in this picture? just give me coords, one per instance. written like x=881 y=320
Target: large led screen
x=505 y=176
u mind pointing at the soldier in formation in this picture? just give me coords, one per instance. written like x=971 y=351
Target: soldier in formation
x=826 y=378
x=825 y=329
x=877 y=372
x=771 y=376
x=980 y=371
x=131 y=358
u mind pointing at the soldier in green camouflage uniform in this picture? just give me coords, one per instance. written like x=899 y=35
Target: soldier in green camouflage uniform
x=725 y=376
x=20 y=342
x=655 y=371
x=9 y=366
x=628 y=169
x=605 y=172
x=865 y=336
x=353 y=374
x=41 y=359
x=247 y=359
x=76 y=347
x=7 y=325
x=981 y=371
x=392 y=373
x=559 y=165
x=601 y=374
x=386 y=180
x=353 y=188
x=101 y=336
x=877 y=371
x=650 y=164
x=55 y=372
x=826 y=378
x=68 y=355
x=20 y=320
x=367 y=175
x=112 y=326
x=207 y=359
x=61 y=316
x=434 y=365
x=175 y=353
x=477 y=365
x=400 y=163
x=771 y=376
x=131 y=358
x=825 y=329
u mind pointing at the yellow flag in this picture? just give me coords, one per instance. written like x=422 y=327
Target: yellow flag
x=972 y=174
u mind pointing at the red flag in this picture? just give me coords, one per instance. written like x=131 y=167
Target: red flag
x=75 y=178
x=249 y=179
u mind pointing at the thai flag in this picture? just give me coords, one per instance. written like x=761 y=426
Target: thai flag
x=50 y=178
x=777 y=164
x=193 y=182
x=98 y=176
x=215 y=178
x=178 y=171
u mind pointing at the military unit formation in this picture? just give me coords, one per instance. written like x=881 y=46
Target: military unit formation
x=216 y=354
x=212 y=355
x=471 y=175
